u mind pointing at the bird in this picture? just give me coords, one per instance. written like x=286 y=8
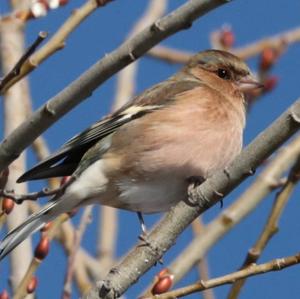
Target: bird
x=141 y=157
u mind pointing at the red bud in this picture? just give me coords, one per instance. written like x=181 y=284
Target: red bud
x=4 y=295
x=227 y=38
x=270 y=83
x=267 y=58
x=42 y=248
x=7 y=205
x=163 y=285
x=32 y=285
x=63 y=2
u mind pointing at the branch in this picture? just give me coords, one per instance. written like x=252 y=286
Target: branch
x=63 y=231
x=85 y=220
x=286 y=38
x=83 y=87
x=56 y=43
x=246 y=52
x=273 y=265
x=14 y=111
x=170 y=55
x=271 y=226
x=200 y=199
x=19 y=198
x=203 y=266
x=17 y=68
x=126 y=78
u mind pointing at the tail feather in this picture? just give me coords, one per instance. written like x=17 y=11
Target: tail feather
x=20 y=233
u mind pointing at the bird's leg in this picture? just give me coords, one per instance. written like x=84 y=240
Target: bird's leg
x=143 y=235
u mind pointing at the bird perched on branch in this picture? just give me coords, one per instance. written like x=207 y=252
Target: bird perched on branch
x=141 y=157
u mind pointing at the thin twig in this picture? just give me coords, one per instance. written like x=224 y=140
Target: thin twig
x=170 y=55
x=21 y=291
x=17 y=68
x=85 y=220
x=203 y=267
x=273 y=265
x=286 y=38
x=62 y=230
x=19 y=198
x=270 y=228
x=126 y=78
x=246 y=52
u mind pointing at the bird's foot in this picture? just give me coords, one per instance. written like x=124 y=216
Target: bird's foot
x=195 y=181
x=144 y=237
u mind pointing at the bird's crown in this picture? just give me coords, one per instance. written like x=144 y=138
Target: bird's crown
x=216 y=60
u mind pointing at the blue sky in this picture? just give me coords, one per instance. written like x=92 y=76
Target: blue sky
x=103 y=32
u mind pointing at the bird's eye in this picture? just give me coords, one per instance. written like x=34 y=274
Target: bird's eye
x=224 y=74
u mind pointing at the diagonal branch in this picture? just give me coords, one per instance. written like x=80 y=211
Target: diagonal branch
x=273 y=265
x=17 y=68
x=102 y=70
x=201 y=198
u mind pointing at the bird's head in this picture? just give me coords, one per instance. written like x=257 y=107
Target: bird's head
x=222 y=70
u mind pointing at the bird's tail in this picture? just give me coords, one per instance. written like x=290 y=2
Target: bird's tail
x=20 y=233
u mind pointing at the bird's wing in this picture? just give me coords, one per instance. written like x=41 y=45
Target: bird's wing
x=64 y=161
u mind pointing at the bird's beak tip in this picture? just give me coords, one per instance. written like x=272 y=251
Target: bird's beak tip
x=249 y=83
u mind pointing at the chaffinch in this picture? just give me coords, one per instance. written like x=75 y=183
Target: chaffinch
x=141 y=157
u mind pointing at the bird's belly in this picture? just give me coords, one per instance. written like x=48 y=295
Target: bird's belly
x=151 y=196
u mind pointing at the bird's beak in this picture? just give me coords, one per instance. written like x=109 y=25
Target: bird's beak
x=249 y=83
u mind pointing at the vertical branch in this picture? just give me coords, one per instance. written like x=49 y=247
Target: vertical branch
x=85 y=220
x=203 y=267
x=126 y=78
x=107 y=237
x=15 y=101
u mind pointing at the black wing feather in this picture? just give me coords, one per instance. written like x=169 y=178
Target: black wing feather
x=72 y=151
